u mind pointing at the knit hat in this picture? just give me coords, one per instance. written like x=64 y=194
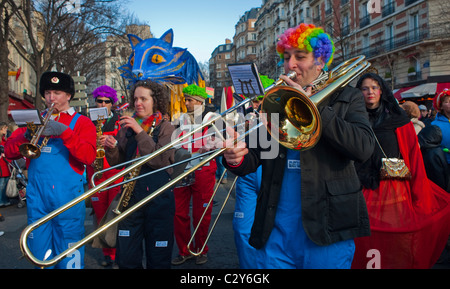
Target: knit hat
x=437 y=100
x=105 y=91
x=196 y=92
x=52 y=80
x=411 y=109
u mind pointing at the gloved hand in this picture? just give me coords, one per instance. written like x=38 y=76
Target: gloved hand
x=54 y=128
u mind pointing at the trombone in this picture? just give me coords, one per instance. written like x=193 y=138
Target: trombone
x=298 y=116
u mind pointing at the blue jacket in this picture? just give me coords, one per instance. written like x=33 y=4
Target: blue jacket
x=443 y=123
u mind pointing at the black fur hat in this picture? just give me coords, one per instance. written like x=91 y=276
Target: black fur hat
x=52 y=80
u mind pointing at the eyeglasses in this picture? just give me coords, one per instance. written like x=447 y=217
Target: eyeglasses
x=107 y=101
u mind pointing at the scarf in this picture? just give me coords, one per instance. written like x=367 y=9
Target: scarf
x=146 y=123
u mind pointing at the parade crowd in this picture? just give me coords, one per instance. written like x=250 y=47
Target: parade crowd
x=377 y=181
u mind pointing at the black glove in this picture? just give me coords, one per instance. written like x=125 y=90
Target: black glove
x=54 y=128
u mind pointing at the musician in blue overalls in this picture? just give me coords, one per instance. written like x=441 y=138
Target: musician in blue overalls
x=56 y=176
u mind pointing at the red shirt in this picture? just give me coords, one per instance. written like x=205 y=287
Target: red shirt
x=4 y=169
x=81 y=142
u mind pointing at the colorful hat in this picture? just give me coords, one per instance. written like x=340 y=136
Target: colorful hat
x=105 y=91
x=52 y=80
x=437 y=100
x=310 y=38
x=196 y=92
x=266 y=82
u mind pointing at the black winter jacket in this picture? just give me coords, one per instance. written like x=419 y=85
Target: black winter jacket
x=333 y=206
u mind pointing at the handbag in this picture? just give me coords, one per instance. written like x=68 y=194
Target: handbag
x=11 y=188
x=393 y=168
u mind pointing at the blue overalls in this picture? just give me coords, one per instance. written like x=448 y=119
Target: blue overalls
x=288 y=246
x=247 y=188
x=51 y=184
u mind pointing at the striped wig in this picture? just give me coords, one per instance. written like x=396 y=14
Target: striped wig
x=310 y=38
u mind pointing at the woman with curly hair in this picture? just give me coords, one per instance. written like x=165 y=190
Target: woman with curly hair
x=143 y=133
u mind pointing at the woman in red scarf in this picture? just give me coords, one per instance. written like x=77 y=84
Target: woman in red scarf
x=409 y=217
x=144 y=133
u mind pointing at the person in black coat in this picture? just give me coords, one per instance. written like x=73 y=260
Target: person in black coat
x=430 y=139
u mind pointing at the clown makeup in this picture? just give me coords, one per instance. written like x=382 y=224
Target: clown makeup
x=372 y=93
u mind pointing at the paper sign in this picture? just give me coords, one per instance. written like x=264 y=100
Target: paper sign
x=245 y=79
x=22 y=116
x=101 y=112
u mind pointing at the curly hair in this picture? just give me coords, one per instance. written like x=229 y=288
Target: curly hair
x=159 y=93
x=310 y=38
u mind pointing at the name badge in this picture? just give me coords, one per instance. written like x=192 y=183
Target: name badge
x=161 y=244
x=294 y=164
x=124 y=233
x=46 y=149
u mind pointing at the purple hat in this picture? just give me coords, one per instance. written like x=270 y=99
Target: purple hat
x=105 y=91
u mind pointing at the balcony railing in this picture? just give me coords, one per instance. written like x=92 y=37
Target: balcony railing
x=389 y=44
x=388 y=9
x=364 y=21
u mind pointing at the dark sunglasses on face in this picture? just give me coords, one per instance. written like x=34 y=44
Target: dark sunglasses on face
x=107 y=101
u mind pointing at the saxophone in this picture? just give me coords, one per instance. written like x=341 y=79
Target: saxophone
x=100 y=154
x=128 y=187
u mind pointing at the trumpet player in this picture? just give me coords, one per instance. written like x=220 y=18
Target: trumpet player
x=105 y=96
x=56 y=176
x=310 y=205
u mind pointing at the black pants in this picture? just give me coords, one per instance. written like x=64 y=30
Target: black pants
x=149 y=229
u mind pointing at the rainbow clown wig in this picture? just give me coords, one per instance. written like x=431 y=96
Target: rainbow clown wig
x=310 y=38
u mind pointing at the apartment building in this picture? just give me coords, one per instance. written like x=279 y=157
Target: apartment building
x=219 y=77
x=245 y=37
x=405 y=40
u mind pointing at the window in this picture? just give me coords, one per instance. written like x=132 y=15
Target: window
x=414 y=27
x=389 y=37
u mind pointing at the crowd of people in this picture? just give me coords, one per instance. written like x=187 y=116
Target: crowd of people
x=378 y=178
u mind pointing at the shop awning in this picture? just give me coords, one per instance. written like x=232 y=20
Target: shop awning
x=426 y=89
x=17 y=103
x=398 y=91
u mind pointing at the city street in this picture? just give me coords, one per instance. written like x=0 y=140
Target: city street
x=221 y=255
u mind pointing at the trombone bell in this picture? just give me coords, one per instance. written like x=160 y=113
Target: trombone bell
x=291 y=118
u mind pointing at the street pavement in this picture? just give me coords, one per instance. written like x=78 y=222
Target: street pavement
x=221 y=255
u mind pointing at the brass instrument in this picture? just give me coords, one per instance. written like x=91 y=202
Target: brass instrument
x=32 y=150
x=308 y=124
x=128 y=187
x=292 y=118
x=100 y=154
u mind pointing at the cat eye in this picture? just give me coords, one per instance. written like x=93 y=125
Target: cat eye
x=156 y=58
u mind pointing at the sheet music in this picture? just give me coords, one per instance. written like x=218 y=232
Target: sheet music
x=245 y=79
x=95 y=113
x=22 y=116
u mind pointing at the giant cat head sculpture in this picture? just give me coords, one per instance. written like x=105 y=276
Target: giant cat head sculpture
x=157 y=60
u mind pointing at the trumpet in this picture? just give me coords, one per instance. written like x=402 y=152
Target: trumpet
x=338 y=77
x=32 y=150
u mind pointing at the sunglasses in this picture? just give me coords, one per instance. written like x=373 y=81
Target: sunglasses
x=107 y=101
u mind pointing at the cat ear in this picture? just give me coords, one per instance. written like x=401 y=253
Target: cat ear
x=134 y=40
x=168 y=36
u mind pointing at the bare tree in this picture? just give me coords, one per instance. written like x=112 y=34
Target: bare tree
x=63 y=30
x=7 y=9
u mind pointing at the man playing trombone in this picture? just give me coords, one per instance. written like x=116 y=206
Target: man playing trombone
x=310 y=206
x=56 y=176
